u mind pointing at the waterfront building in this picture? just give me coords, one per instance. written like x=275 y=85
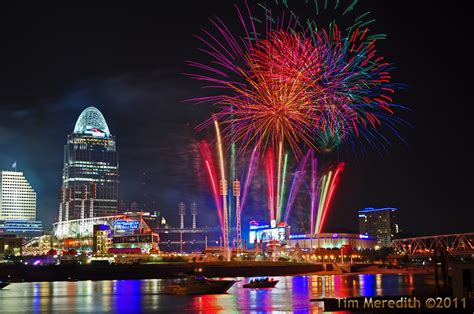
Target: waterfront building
x=17 y=197
x=332 y=241
x=10 y=245
x=91 y=170
x=129 y=230
x=101 y=240
x=18 y=205
x=23 y=228
x=379 y=223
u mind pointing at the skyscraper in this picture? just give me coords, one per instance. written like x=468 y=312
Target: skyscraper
x=18 y=205
x=91 y=170
x=379 y=223
x=17 y=197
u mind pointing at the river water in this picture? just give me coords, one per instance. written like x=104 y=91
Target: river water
x=292 y=294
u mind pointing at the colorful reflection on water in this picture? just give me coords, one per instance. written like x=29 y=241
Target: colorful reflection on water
x=292 y=294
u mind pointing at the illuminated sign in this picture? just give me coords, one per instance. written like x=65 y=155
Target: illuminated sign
x=266 y=234
x=259 y=227
x=95 y=132
x=363 y=236
x=298 y=236
x=126 y=225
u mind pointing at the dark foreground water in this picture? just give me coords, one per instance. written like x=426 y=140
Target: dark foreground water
x=292 y=294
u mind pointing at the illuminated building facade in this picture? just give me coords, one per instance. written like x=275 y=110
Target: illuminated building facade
x=18 y=206
x=100 y=234
x=332 y=241
x=24 y=228
x=379 y=223
x=260 y=234
x=101 y=239
x=91 y=170
x=17 y=197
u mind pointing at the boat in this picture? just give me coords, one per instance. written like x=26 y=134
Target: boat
x=224 y=283
x=261 y=283
x=193 y=285
x=3 y=284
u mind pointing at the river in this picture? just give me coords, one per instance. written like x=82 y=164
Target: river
x=292 y=294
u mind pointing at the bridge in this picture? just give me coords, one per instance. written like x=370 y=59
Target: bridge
x=455 y=244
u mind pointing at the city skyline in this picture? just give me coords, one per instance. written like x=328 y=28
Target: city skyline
x=142 y=97
x=244 y=156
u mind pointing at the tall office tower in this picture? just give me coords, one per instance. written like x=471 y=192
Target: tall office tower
x=380 y=223
x=91 y=169
x=17 y=197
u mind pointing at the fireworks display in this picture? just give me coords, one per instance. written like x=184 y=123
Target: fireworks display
x=328 y=186
x=208 y=160
x=284 y=84
x=321 y=188
x=298 y=179
x=303 y=86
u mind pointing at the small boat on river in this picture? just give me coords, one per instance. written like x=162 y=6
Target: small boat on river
x=3 y=284
x=193 y=285
x=261 y=283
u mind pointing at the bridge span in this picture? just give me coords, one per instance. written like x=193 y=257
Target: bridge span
x=455 y=244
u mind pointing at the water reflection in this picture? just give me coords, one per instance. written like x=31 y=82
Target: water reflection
x=291 y=295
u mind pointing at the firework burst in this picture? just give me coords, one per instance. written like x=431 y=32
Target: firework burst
x=306 y=87
x=284 y=82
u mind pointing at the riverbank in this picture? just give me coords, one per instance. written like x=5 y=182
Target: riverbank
x=375 y=269
x=30 y=273
x=20 y=272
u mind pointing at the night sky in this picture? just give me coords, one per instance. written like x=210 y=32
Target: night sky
x=129 y=63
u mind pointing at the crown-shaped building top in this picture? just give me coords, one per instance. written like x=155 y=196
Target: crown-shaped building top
x=92 y=122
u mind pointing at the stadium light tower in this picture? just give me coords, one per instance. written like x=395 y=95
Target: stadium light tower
x=236 y=190
x=223 y=189
x=181 y=212
x=194 y=213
